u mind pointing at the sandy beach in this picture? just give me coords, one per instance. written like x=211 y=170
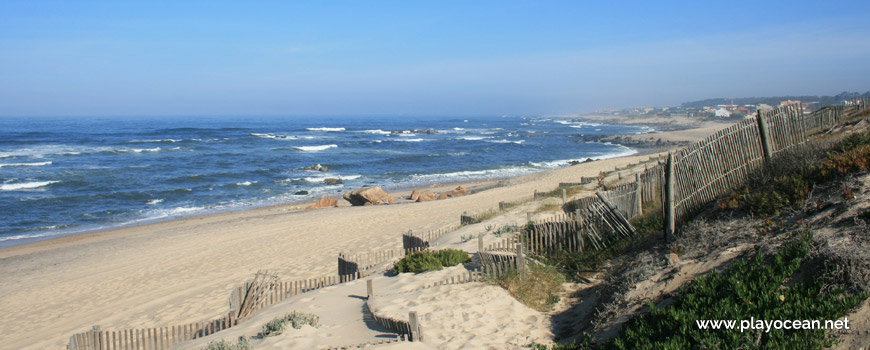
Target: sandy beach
x=183 y=270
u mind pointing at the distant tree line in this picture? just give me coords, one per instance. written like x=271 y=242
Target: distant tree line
x=775 y=100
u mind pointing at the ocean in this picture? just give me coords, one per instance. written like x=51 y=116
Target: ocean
x=61 y=176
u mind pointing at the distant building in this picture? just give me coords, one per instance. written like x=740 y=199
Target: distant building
x=680 y=115
x=722 y=113
x=789 y=103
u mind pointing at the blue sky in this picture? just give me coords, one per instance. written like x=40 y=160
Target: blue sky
x=118 y=58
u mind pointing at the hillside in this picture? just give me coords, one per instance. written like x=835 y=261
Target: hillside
x=775 y=100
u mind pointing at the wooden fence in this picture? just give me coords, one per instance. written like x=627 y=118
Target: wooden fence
x=147 y=339
x=588 y=179
x=626 y=198
x=412 y=240
x=363 y=263
x=413 y=330
x=714 y=166
x=499 y=263
x=162 y=338
x=593 y=227
x=652 y=180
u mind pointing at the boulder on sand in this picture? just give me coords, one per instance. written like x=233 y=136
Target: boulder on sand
x=458 y=192
x=422 y=196
x=324 y=202
x=368 y=196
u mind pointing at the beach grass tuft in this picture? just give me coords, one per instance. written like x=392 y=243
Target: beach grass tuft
x=423 y=261
x=539 y=288
x=295 y=319
x=242 y=344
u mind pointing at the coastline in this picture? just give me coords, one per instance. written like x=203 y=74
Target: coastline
x=182 y=270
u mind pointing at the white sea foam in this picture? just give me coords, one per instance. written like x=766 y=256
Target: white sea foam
x=154 y=201
x=622 y=151
x=324 y=129
x=468 y=175
x=179 y=211
x=140 y=150
x=133 y=150
x=33 y=235
x=321 y=178
x=407 y=134
x=25 y=185
x=514 y=170
x=283 y=137
x=408 y=140
x=51 y=150
x=314 y=148
x=26 y=164
x=473 y=138
x=458 y=129
x=507 y=141
x=154 y=141
x=376 y=131
x=246 y=183
x=580 y=125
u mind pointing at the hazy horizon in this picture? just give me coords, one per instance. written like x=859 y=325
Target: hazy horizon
x=108 y=59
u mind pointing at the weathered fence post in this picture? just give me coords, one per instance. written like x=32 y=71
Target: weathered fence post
x=415 y=329
x=501 y=205
x=670 y=220
x=480 y=243
x=369 y=289
x=95 y=337
x=564 y=195
x=638 y=196
x=764 y=134
x=521 y=260
x=529 y=216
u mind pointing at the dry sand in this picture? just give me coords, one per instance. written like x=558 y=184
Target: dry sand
x=182 y=271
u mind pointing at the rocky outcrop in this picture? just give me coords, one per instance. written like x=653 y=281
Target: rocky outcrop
x=323 y=202
x=332 y=181
x=317 y=167
x=368 y=196
x=422 y=196
x=458 y=192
